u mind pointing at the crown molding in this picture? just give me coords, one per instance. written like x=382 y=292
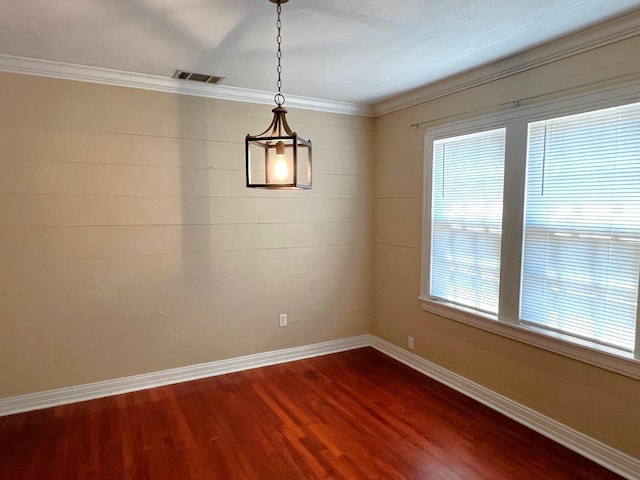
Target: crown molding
x=600 y=35
x=106 y=76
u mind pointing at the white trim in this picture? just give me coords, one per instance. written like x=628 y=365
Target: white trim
x=608 y=457
x=51 y=398
x=600 y=453
x=83 y=73
x=624 y=366
x=623 y=93
x=600 y=35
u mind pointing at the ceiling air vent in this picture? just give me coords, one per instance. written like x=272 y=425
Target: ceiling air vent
x=197 y=77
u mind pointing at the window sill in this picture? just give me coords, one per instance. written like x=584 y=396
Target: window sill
x=627 y=366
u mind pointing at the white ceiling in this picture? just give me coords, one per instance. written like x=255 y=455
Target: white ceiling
x=360 y=51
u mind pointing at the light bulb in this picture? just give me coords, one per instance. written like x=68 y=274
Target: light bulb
x=280 y=170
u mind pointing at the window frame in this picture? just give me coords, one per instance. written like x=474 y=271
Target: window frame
x=507 y=322
x=434 y=199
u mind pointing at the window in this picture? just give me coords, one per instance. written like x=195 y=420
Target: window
x=582 y=226
x=468 y=174
x=532 y=228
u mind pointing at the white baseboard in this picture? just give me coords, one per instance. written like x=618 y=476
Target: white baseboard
x=625 y=465
x=62 y=396
x=610 y=458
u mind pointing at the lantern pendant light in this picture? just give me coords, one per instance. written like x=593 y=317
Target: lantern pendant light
x=278 y=158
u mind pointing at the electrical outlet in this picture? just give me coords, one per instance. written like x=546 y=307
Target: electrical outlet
x=283 y=319
x=410 y=342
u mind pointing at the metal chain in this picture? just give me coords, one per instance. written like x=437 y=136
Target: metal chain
x=279 y=98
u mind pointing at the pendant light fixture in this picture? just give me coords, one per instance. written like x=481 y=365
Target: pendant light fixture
x=278 y=158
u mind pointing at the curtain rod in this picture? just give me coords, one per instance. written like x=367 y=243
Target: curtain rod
x=518 y=102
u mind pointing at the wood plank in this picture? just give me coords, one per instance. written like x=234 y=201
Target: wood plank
x=350 y=415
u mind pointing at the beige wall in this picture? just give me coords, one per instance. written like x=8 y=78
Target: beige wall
x=599 y=403
x=129 y=243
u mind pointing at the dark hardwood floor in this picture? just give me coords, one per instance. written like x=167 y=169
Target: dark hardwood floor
x=351 y=415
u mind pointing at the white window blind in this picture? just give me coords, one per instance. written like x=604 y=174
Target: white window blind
x=581 y=257
x=467 y=186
